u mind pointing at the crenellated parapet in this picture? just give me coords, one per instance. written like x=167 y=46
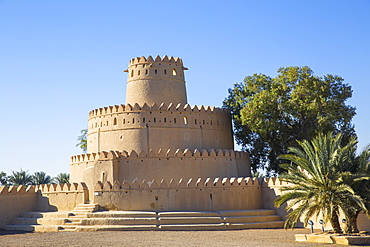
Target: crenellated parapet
x=17 y=190
x=179 y=184
x=43 y=188
x=183 y=108
x=190 y=183
x=158 y=59
x=173 y=153
x=58 y=188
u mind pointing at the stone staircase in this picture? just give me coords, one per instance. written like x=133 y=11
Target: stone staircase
x=85 y=217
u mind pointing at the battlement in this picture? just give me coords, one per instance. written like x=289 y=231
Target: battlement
x=178 y=184
x=43 y=188
x=162 y=107
x=158 y=59
x=174 y=153
x=13 y=190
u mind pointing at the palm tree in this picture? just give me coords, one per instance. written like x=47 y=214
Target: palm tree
x=82 y=140
x=62 y=178
x=41 y=178
x=20 y=178
x=356 y=174
x=317 y=185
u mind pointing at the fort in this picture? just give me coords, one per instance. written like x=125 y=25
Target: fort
x=156 y=163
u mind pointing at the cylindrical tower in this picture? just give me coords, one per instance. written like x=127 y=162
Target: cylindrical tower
x=156 y=81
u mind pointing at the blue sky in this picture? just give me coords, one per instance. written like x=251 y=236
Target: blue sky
x=61 y=59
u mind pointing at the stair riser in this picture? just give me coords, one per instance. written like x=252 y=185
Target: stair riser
x=253 y=219
x=185 y=220
x=130 y=221
x=247 y=213
x=188 y=214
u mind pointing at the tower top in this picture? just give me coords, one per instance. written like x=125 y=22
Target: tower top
x=158 y=59
x=156 y=81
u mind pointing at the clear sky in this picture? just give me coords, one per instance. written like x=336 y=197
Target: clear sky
x=61 y=59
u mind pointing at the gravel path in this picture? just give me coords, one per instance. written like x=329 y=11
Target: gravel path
x=255 y=238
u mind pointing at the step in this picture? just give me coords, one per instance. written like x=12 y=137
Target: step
x=256 y=225
x=45 y=214
x=253 y=212
x=252 y=219
x=116 y=228
x=191 y=227
x=189 y=220
x=119 y=221
x=32 y=228
x=188 y=214
x=37 y=221
x=122 y=214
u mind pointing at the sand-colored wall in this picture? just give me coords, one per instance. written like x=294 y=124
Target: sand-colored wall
x=155 y=81
x=51 y=197
x=143 y=127
x=14 y=200
x=180 y=195
x=169 y=164
x=61 y=197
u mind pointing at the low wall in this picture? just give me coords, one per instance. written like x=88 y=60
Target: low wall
x=182 y=195
x=50 y=197
x=14 y=200
x=61 y=197
x=270 y=191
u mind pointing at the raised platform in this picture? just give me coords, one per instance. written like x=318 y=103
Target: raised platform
x=86 y=218
x=334 y=239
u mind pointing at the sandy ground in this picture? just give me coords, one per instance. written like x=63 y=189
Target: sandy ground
x=258 y=238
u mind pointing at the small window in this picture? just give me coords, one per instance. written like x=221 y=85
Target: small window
x=155 y=120
x=204 y=122
x=185 y=120
x=155 y=71
x=143 y=120
x=114 y=121
x=124 y=121
x=196 y=122
x=165 y=120
x=138 y=72
x=133 y=120
x=146 y=71
x=174 y=72
x=174 y=120
x=165 y=72
x=132 y=73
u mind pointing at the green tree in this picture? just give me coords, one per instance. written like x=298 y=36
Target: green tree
x=3 y=178
x=82 y=140
x=270 y=114
x=62 y=178
x=317 y=185
x=41 y=178
x=20 y=178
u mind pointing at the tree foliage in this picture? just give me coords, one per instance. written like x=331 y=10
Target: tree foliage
x=20 y=178
x=62 y=178
x=318 y=183
x=270 y=114
x=41 y=178
x=3 y=178
x=82 y=140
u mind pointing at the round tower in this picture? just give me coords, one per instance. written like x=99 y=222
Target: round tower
x=155 y=81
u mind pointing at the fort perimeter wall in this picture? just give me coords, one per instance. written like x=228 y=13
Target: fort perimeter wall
x=52 y=197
